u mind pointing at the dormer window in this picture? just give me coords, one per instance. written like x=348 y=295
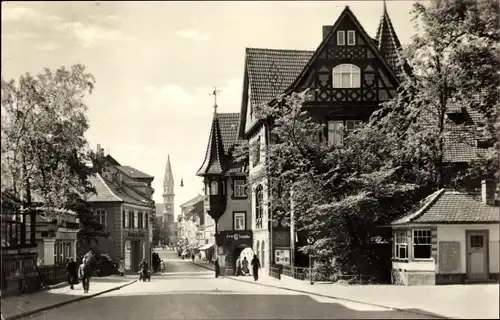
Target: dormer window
x=341 y=38
x=346 y=76
x=351 y=38
x=214 y=186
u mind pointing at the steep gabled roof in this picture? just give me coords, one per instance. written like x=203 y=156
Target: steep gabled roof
x=388 y=43
x=347 y=13
x=223 y=135
x=449 y=206
x=268 y=72
x=271 y=71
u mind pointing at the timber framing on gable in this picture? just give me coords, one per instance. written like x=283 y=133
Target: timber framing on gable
x=346 y=14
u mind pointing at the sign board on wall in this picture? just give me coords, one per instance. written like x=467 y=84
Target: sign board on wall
x=237 y=236
x=281 y=238
x=449 y=257
x=282 y=256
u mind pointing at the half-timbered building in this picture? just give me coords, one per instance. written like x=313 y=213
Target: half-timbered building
x=350 y=74
x=226 y=200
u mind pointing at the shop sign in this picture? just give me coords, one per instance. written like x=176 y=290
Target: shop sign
x=238 y=236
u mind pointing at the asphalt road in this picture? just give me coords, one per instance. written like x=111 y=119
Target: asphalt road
x=187 y=291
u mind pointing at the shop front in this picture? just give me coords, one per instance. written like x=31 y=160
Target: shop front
x=232 y=244
x=135 y=249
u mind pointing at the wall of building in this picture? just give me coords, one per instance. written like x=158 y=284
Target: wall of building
x=260 y=236
x=111 y=246
x=427 y=271
x=241 y=205
x=458 y=233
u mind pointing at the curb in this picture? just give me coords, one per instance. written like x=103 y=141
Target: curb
x=202 y=266
x=333 y=297
x=60 y=304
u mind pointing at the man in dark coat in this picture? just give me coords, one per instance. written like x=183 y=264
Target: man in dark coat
x=255 y=267
x=72 y=268
x=217 y=268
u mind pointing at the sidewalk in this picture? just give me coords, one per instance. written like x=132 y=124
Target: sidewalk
x=17 y=307
x=479 y=301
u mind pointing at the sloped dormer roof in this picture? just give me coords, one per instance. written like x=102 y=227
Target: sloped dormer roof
x=223 y=135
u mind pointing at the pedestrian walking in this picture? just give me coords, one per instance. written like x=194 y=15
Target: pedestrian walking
x=163 y=266
x=217 y=268
x=255 y=267
x=72 y=269
x=238 y=267
x=121 y=267
x=85 y=272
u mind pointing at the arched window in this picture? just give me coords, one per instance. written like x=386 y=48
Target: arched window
x=346 y=76
x=259 y=202
x=214 y=186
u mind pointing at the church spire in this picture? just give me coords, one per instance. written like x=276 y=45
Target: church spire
x=168 y=180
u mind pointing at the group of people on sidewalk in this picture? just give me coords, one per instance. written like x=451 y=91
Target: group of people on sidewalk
x=158 y=263
x=242 y=267
x=82 y=272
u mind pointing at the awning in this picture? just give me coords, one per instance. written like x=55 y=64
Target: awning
x=206 y=247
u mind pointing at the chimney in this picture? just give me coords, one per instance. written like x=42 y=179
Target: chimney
x=99 y=152
x=488 y=189
x=326 y=30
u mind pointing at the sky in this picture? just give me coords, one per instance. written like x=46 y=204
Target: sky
x=156 y=64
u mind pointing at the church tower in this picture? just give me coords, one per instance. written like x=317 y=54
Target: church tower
x=168 y=200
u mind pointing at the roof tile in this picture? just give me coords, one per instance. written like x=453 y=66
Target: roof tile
x=447 y=206
x=272 y=71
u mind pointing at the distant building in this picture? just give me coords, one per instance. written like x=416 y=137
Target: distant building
x=165 y=211
x=191 y=223
x=124 y=206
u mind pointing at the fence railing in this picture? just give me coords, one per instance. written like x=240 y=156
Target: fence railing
x=321 y=275
x=275 y=271
x=52 y=274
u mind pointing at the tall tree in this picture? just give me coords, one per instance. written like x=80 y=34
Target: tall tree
x=44 y=150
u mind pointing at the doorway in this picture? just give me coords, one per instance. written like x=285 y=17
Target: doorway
x=243 y=251
x=477 y=254
x=135 y=255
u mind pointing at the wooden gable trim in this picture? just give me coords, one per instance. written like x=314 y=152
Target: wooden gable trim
x=244 y=101
x=347 y=12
